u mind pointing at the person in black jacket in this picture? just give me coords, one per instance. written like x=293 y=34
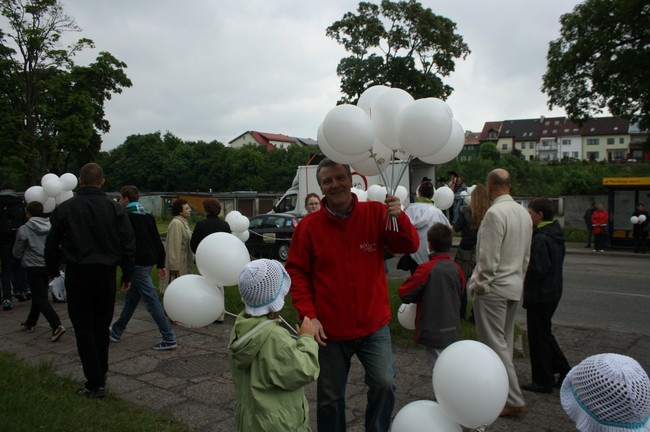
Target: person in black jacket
x=149 y=251
x=92 y=235
x=542 y=292
x=210 y=225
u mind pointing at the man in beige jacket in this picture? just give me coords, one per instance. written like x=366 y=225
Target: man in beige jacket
x=503 y=251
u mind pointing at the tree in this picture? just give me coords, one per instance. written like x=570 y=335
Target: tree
x=53 y=109
x=602 y=60
x=399 y=44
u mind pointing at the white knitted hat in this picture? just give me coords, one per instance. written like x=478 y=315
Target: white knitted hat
x=607 y=393
x=263 y=284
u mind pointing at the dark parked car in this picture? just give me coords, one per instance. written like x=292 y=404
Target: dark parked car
x=270 y=235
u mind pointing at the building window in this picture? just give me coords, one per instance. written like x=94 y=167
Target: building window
x=610 y=141
x=618 y=154
x=566 y=142
x=593 y=141
x=621 y=140
x=637 y=154
x=565 y=154
x=575 y=154
x=593 y=155
x=504 y=146
x=531 y=145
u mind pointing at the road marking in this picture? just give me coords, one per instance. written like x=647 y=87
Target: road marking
x=618 y=293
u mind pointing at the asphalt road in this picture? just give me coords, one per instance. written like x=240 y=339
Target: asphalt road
x=606 y=292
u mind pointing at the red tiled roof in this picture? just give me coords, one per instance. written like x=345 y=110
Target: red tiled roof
x=494 y=125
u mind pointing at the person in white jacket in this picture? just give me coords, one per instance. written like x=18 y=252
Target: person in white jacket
x=423 y=214
x=29 y=248
x=497 y=283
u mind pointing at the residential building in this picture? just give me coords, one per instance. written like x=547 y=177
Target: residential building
x=471 y=147
x=267 y=140
x=606 y=139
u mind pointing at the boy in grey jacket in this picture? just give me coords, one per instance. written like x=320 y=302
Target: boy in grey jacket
x=29 y=248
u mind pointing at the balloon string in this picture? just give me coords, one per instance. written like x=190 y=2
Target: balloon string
x=287 y=324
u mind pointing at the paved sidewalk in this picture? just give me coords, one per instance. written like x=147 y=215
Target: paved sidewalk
x=193 y=383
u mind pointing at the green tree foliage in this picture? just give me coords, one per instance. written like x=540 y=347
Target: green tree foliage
x=602 y=59
x=399 y=44
x=52 y=110
x=156 y=162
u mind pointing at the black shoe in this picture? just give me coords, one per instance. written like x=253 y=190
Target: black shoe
x=98 y=393
x=537 y=388
x=21 y=297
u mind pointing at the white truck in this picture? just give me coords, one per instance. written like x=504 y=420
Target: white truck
x=293 y=200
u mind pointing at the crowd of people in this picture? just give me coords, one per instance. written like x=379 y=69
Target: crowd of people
x=335 y=274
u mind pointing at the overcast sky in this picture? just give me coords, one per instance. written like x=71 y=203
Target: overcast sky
x=211 y=70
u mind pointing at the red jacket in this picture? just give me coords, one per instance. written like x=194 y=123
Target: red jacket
x=337 y=268
x=599 y=220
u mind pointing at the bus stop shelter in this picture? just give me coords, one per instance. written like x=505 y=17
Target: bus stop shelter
x=623 y=195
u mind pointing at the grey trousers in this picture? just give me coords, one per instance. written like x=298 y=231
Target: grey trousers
x=495 y=322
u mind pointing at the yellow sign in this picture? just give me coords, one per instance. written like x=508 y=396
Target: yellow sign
x=626 y=181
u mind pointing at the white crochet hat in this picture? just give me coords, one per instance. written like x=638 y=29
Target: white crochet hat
x=263 y=284
x=607 y=393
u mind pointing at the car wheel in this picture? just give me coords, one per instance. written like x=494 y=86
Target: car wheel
x=283 y=252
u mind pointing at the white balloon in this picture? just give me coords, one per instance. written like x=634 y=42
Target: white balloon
x=348 y=129
x=47 y=177
x=377 y=193
x=424 y=127
x=69 y=181
x=373 y=166
x=49 y=205
x=402 y=194
x=634 y=220
x=35 y=193
x=406 y=315
x=220 y=258
x=336 y=156
x=423 y=415
x=368 y=97
x=470 y=383
x=443 y=197
x=361 y=194
x=243 y=236
x=451 y=149
x=53 y=188
x=64 y=196
x=642 y=218
x=239 y=223
x=385 y=112
x=193 y=301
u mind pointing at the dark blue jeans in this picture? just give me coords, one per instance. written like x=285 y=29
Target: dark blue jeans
x=12 y=274
x=375 y=353
x=142 y=288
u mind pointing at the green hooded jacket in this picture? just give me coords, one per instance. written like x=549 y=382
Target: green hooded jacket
x=270 y=370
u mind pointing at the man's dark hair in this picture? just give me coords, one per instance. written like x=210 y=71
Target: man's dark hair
x=543 y=205
x=177 y=206
x=327 y=162
x=131 y=193
x=426 y=189
x=439 y=237
x=34 y=208
x=8 y=185
x=91 y=174
x=212 y=206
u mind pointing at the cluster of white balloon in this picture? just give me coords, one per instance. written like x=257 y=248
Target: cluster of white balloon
x=637 y=219
x=52 y=191
x=471 y=387
x=388 y=124
x=194 y=300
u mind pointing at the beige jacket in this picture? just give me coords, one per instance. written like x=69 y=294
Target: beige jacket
x=502 y=250
x=179 y=254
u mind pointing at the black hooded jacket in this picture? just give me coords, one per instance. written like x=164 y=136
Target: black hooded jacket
x=543 y=282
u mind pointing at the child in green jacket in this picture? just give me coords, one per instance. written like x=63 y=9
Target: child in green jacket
x=269 y=367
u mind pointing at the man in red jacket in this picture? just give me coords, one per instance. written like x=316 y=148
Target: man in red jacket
x=336 y=264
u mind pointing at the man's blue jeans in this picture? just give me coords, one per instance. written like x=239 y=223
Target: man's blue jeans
x=375 y=353
x=142 y=288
